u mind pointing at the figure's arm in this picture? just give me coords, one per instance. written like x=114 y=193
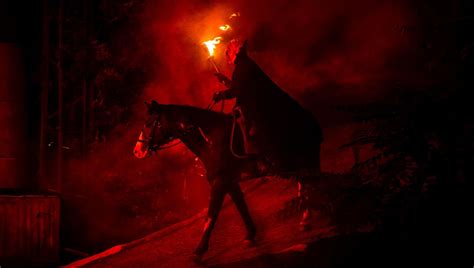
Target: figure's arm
x=225 y=94
x=223 y=79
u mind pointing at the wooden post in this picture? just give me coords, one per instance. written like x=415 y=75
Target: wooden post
x=84 y=116
x=90 y=22
x=60 y=96
x=44 y=93
x=85 y=89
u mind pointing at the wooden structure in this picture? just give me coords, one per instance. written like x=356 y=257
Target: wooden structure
x=29 y=223
x=12 y=118
x=29 y=230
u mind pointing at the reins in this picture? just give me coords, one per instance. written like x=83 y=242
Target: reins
x=156 y=148
x=231 y=144
x=209 y=107
x=234 y=123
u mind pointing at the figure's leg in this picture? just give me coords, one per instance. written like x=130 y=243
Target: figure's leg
x=218 y=193
x=303 y=195
x=238 y=197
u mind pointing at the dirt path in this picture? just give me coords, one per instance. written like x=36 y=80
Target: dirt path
x=173 y=246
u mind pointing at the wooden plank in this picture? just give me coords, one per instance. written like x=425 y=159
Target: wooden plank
x=29 y=228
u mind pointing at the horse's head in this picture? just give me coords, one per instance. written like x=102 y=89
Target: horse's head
x=157 y=131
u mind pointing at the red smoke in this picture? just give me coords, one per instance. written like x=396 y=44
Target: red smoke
x=302 y=45
x=324 y=53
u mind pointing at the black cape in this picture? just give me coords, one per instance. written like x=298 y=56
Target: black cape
x=286 y=133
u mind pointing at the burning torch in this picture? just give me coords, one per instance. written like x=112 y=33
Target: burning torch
x=211 y=44
x=211 y=47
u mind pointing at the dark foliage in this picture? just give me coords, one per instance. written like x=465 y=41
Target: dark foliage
x=423 y=143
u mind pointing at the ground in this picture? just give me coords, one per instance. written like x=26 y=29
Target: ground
x=278 y=233
x=281 y=243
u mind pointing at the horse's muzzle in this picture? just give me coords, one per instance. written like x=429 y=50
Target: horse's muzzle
x=141 y=147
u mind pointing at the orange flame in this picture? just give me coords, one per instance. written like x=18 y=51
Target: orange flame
x=211 y=45
x=234 y=15
x=225 y=27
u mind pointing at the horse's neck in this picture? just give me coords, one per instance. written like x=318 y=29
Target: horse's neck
x=195 y=124
x=195 y=117
x=194 y=142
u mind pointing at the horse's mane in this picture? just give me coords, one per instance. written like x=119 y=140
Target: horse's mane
x=203 y=117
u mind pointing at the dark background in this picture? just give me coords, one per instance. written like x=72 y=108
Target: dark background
x=328 y=55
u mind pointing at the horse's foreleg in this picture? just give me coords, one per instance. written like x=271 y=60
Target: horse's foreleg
x=239 y=201
x=217 y=198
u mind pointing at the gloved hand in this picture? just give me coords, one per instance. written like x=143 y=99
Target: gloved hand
x=218 y=96
x=222 y=79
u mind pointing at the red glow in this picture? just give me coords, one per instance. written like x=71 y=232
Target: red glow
x=335 y=62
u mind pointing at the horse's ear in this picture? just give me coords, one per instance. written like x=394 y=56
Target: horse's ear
x=153 y=106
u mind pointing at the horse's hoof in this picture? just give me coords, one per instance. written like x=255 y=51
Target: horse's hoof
x=251 y=233
x=197 y=259
x=199 y=253
x=304 y=227
x=248 y=243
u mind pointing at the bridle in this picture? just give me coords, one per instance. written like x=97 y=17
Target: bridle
x=149 y=141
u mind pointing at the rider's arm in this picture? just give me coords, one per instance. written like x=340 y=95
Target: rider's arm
x=229 y=93
x=225 y=94
x=223 y=79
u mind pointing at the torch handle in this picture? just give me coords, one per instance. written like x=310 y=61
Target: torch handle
x=213 y=63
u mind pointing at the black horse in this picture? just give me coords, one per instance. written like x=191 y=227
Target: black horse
x=210 y=136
